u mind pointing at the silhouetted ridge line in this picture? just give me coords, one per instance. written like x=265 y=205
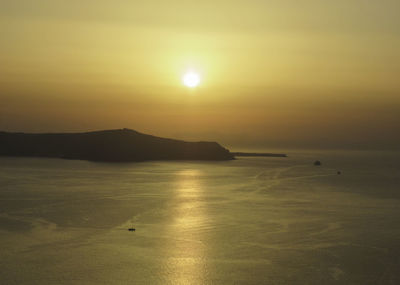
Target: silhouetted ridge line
x=110 y=145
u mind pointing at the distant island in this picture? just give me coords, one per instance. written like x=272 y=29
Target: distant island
x=259 y=154
x=122 y=145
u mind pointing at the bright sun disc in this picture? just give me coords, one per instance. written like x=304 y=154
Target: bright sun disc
x=191 y=79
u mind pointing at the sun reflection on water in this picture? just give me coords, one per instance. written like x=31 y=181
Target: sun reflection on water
x=186 y=248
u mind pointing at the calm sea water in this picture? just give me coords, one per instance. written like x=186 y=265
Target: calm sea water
x=248 y=221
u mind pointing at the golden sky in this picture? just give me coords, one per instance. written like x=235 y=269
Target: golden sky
x=273 y=73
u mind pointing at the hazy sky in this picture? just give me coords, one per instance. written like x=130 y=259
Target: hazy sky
x=274 y=73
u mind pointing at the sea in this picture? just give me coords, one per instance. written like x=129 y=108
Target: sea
x=253 y=220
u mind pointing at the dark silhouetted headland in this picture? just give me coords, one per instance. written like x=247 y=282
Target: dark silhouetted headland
x=111 y=145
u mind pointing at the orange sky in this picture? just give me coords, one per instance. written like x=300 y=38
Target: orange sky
x=274 y=73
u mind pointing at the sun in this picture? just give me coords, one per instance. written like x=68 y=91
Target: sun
x=191 y=79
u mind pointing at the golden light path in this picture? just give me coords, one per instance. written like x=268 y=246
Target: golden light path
x=186 y=263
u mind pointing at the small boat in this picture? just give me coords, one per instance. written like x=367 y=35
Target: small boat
x=131 y=229
x=317 y=163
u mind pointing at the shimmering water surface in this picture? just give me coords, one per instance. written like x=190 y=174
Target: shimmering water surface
x=248 y=221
